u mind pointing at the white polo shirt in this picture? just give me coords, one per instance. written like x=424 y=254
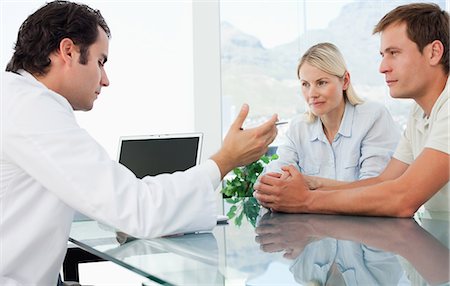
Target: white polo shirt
x=432 y=132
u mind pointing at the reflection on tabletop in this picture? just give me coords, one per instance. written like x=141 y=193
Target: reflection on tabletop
x=202 y=246
x=189 y=259
x=288 y=249
x=348 y=250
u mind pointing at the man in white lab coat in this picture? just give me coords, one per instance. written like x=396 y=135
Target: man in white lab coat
x=51 y=167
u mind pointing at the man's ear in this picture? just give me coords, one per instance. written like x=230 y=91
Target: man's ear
x=436 y=52
x=67 y=50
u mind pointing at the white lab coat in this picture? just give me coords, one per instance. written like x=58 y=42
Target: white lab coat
x=51 y=167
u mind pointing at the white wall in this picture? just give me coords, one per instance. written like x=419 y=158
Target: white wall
x=150 y=68
x=207 y=88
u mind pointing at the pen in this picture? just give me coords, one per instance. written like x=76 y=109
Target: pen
x=276 y=123
x=281 y=122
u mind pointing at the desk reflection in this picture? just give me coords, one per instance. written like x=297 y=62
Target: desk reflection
x=183 y=259
x=199 y=246
x=348 y=250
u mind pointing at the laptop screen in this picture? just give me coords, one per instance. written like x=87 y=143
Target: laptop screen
x=157 y=154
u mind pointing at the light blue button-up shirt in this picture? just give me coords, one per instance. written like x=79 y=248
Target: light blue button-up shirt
x=361 y=148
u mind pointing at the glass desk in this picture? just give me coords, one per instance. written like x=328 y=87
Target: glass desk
x=284 y=249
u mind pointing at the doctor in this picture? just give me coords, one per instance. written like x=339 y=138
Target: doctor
x=51 y=167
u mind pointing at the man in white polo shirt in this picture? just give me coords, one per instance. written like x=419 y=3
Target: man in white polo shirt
x=415 y=52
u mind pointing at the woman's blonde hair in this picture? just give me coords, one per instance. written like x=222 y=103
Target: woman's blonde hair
x=327 y=57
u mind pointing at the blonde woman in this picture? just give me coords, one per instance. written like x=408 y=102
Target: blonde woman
x=341 y=138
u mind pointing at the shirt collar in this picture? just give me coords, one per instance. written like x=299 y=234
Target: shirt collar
x=316 y=130
x=419 y=115
x=37 y=83
x=345 y=128
x=442 y=97
x=347 y=120
x=30 y=77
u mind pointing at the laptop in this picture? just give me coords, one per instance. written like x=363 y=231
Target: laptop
x=157 y=154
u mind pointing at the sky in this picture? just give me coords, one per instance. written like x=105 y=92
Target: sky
x=287 y=14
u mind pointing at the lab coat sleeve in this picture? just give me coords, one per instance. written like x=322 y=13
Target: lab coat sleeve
x=51 y=147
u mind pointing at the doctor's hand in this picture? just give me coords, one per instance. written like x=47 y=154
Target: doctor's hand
x=287 y=192
x=241 y=147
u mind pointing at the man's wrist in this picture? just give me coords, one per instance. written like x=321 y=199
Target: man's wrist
x=319 y=183
x=307 y=202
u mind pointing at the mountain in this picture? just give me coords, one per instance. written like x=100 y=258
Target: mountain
x=350 y=31
x=267 y=79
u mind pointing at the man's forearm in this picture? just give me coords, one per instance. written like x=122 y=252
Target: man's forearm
x=327 y=184
x=389 y=198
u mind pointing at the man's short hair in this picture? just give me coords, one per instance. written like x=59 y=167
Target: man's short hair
x=425 y=23
x=42 y=32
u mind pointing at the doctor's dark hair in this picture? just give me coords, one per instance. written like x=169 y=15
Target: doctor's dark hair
x=42 y=32
x=425 y=23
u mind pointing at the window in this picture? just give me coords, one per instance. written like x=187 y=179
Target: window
x=262 y=41
x=150 y=67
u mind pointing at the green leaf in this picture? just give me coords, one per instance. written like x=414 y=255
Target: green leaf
x=245 y=177
x=228 y=191
x=251 y=209
x=232 y=200
x=238 y=220
x=265 y=159
x=253 y=178
x=237 y=171
x=232 y=212
x=242 y=190
x=259 y=169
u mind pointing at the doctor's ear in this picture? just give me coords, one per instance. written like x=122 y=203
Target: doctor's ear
x=66 y=50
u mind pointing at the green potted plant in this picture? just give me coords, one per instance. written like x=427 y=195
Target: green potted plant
x=238 y=191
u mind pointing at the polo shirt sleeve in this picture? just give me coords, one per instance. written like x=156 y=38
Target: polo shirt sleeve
x=440 y=132
x=404 y=151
